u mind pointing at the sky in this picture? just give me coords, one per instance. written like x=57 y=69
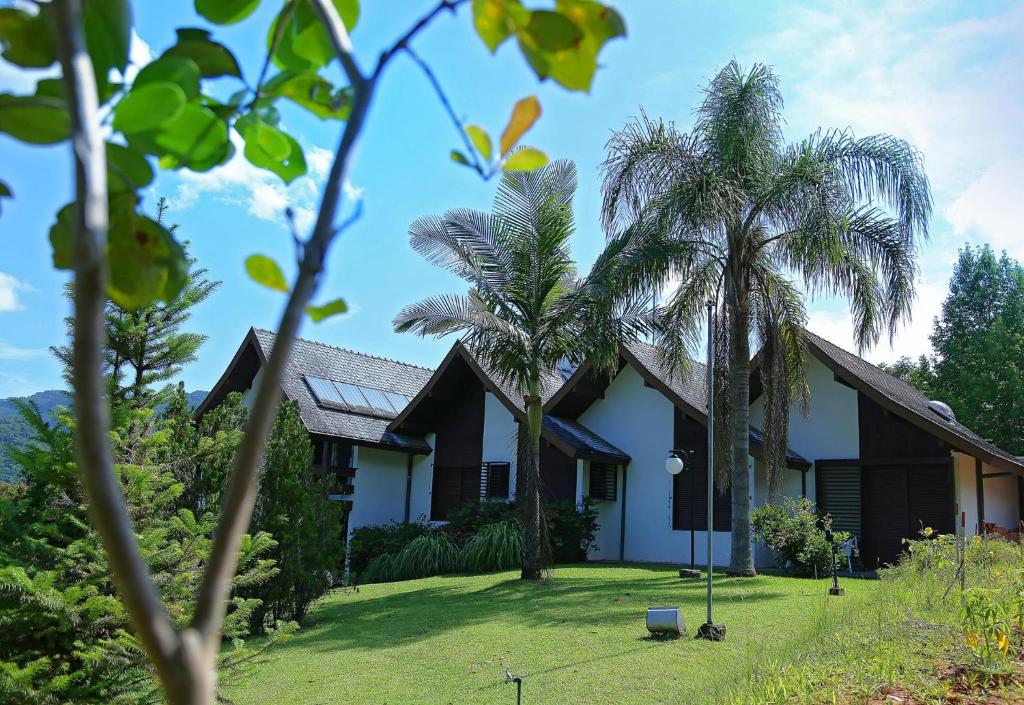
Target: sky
x=948 y=79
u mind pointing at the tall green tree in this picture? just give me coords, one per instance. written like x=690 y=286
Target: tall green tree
x=978 y=343
x=292 y=506
x=526 y=309
x=148 y=345
x=919 y=373
x=740 y=218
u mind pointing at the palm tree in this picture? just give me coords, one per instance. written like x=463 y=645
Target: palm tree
x=739 y=217
x=526 y=309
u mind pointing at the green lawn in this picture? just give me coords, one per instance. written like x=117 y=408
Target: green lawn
x=578 y=638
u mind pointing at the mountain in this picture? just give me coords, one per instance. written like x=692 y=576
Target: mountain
x=15 y=432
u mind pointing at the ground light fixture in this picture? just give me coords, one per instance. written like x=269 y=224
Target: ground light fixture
x=518 y=680
x=834 y=590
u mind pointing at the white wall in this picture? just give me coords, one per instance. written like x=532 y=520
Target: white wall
x=248 y=395
x=639 y=420
x=1002 y=501
x=422 y=480
x=379 y=487
x=966 y=494
x=500 y=434
x=831 y=428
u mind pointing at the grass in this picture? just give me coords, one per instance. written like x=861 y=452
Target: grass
x=578 y=638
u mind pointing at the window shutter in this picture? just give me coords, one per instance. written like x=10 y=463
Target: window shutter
x=604 y=481
x=495 y=480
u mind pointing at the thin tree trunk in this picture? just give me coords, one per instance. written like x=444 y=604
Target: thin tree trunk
x=533 y=554
x=741 y=560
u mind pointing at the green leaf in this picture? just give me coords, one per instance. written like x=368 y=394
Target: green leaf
x=573 y=67
x=553 y=31
x=108 y=34
x=268 y=148
x=196 y=138
x=212 y=58
x=525 y=112
x=263 y=270
x=313 y=92
x=34 y=119
x=226 y=11
x=62 y=237
x=27 y=39
x=481 y=140
x=148 y=107
x=145 y=262
x=304 y=44
x=177 y=69
x=331 y=308
x=496 y=20
x=525 y=159
x=127 y=169
x=459 y=158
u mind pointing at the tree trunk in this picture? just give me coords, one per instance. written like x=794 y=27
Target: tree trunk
x=533 y=554
x=741 y=560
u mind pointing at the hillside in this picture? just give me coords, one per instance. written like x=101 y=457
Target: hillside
x=14 y=431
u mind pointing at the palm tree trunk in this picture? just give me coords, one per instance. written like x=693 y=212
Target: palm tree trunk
x=533 y=554
x=741 y=561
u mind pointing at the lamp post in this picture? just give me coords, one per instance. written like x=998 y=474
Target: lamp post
x=675 y=464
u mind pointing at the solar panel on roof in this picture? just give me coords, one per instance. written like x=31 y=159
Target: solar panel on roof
x=351 y=394
x=399 y=401
x=378 y=400
x=356 y=397
x=324 y=391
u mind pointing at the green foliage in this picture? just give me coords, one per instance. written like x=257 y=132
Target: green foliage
x=571 y=529
x=66 y=635
x=263 y=270
x=292 y=506
x=467 y=519
x=497 y=547
x=369 y=542
x=430 y=554
x=381 y=569
x=792 y=530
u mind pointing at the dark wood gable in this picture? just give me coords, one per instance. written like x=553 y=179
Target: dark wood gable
x=458 y=446
x=690 y=487
x=883 y=434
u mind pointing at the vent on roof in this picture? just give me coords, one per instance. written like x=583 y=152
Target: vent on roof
x=356 y=398
x=942 y=409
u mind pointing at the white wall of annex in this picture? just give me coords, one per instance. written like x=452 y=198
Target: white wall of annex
x=379 y=487
x=966 y=493
x=1002 y=499
x=248 y=395
x=830 y=430
x=422 y=481
x=500 y=435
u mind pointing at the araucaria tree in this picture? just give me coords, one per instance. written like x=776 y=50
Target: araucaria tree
x=737 y=216
x=526 y=309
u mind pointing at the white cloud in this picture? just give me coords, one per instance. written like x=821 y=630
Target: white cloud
x=9 y=289
x=13 y=352
x=991 y=209
x=139 y=54
x=263 y=194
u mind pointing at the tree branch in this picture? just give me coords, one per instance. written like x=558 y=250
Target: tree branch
x=403 y=41
x=95 y=459
x=456 y=120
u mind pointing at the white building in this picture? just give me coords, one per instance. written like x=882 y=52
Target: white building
x=405 y=443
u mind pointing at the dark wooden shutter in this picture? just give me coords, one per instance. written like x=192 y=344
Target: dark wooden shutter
x=557 y=473
x=930 y=494
x=885 y=514
x=604 y=482
x=445 y=492
x=496 y=484
x=839 y=495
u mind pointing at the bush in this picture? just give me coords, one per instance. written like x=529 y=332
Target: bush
x=381 y=569
x=571 y=529
x=430 y=554
x=370 y=542
x=467 y=519
x=497 y=547
x=791 y=530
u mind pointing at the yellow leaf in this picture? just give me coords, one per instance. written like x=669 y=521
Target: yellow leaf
x=481 y=140
x=526 y=159
x=972 y=640
x=524 y=114
x=1003 y=643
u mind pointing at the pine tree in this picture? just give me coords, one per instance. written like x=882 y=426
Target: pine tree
x=147 y=346
x=292 y=505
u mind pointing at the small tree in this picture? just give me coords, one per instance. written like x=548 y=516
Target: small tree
x=292 y=506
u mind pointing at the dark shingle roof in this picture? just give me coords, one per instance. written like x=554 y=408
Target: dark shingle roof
x=584 y=442
x=910 y=401
x=340 y=365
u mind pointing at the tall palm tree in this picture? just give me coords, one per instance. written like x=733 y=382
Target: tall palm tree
x=739 y=217
x=526 y=309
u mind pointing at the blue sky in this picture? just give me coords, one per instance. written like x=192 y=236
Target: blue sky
x=948 y=79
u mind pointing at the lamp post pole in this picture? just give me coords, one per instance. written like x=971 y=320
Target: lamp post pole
x=709 y=630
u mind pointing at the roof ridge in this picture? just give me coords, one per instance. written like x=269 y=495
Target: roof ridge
x=351 y=351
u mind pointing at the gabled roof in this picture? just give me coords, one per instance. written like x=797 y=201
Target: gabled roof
x=686 y=390
x=336 y=364
x=568 y=436
x=907 y=402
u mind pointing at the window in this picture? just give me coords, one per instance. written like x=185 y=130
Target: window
x=494 y=481
x=604 y=481
x=690 y=501
x=453 y=485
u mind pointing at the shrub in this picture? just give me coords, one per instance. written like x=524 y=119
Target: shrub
x=571 y=529
x=369 y=542
x=467 y=519
x=497 y=547
x=791 y=530
x=381 y=569
x=430 y=554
